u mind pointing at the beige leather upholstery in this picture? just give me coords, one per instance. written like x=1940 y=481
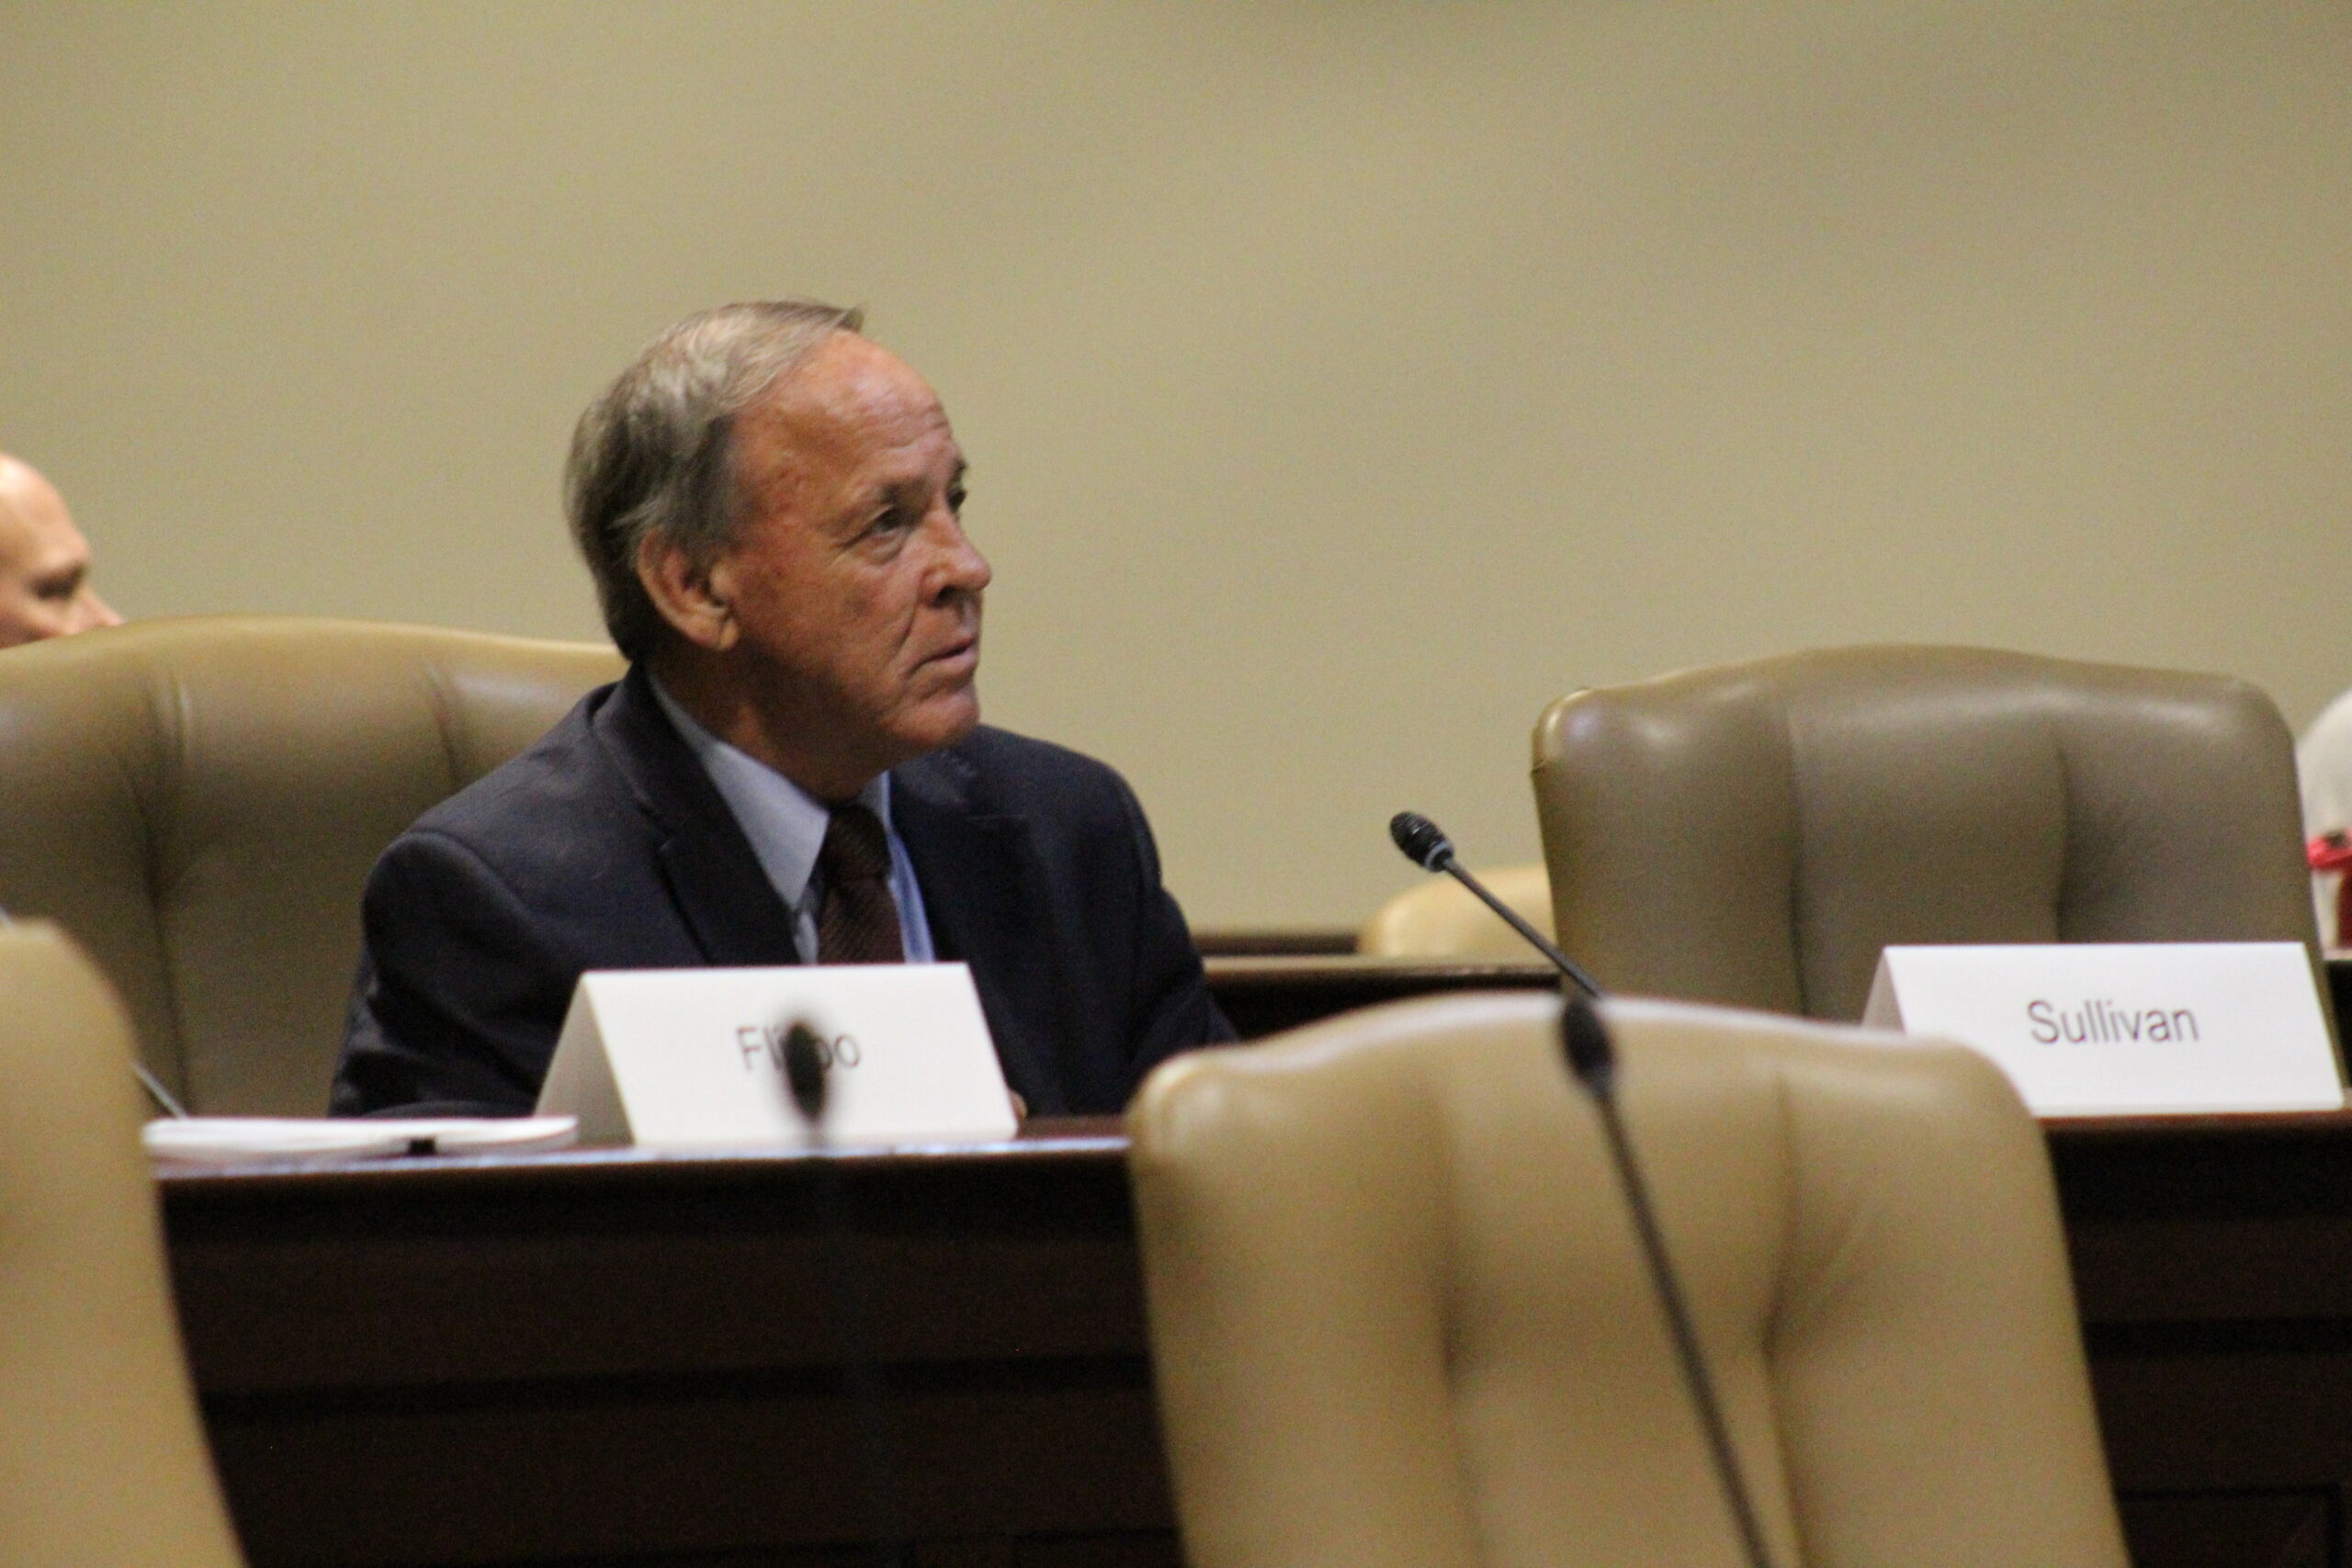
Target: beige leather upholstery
x=1442 y=919
x=199 y=801
x=1756 y=833
x=102 y=1460
x=1398 y=1315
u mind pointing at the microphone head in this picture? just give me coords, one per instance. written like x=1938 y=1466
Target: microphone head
x=1420 y=839
x=1585 y=1038
x=804 y=1072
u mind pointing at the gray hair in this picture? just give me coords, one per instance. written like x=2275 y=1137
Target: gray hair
x=655 y=454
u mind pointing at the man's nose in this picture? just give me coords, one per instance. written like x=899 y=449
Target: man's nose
x=963 y=570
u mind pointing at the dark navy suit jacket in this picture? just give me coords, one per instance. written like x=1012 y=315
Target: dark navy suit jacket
x=605 y=846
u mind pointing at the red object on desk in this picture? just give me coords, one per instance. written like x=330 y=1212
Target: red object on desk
x=2331 y=850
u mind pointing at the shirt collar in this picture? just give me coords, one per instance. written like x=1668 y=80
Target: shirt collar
x=785 y=823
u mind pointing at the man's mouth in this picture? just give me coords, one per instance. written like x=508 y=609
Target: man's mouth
x=958 y=660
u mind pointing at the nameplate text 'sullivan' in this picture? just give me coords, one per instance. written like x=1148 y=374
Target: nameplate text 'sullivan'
x=2101 y=1022
x=2124 y=1028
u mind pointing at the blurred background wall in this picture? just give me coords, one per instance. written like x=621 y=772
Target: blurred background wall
x=1343 y=381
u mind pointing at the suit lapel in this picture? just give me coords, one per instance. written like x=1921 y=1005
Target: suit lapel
x=977 y=871
x=715 y=879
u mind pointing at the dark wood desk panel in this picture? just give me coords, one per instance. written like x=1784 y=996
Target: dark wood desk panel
x=628 y=1357
x=1265 y=993
x=621 y=1357
x=2213 y=1261
x=1265 y=986
x=1272 y=941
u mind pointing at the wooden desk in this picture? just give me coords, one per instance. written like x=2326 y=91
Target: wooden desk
x=2213 y=1261
x=618 y=1357
x=621 y=1358
x=1263 y=993
x=1263 y=990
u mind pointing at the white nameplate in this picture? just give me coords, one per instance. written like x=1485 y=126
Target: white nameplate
x=692 y=1058
x=2087 y=1029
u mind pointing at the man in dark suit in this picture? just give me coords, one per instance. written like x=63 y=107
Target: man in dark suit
x=794 y=768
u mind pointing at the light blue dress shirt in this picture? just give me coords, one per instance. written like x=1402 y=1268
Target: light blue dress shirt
x=786 y=827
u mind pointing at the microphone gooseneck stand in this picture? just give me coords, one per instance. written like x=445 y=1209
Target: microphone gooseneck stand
x=1592 y=1060
x=847 y=1306
x=1432 y=850
x=1592 y=1057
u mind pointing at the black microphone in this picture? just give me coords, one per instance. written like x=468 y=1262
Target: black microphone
x=1432 y=850
x=1584 y=1039
x=803 y=1078
x=805 y=1081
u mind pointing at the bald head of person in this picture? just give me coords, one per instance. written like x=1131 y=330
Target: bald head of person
x=44 y=562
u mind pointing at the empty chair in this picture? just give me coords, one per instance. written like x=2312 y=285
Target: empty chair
x=1398 y=1315
x=102 y=1459
x=198 y=802
x=1442 y=919
x=1756 y=833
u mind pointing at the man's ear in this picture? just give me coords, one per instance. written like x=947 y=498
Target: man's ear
x=691 y=594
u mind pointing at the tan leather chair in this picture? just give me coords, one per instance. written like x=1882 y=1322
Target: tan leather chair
x=1442 y=919
x=102 y=1459
x=198 y=802
x=1398 y=1315
x=1755 y=834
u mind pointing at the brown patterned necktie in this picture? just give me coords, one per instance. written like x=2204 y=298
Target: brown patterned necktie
x=857 y=920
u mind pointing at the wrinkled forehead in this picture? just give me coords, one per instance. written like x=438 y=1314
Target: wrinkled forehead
x=852 y=403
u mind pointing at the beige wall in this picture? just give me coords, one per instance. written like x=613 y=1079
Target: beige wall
x=1342 y=381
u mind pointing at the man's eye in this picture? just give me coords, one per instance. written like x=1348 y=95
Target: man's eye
x=955 y=501
x=57 y=590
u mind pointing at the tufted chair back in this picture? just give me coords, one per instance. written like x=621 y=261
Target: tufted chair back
x=198 y=802
x=1755 y=833
x=1400 y=1318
